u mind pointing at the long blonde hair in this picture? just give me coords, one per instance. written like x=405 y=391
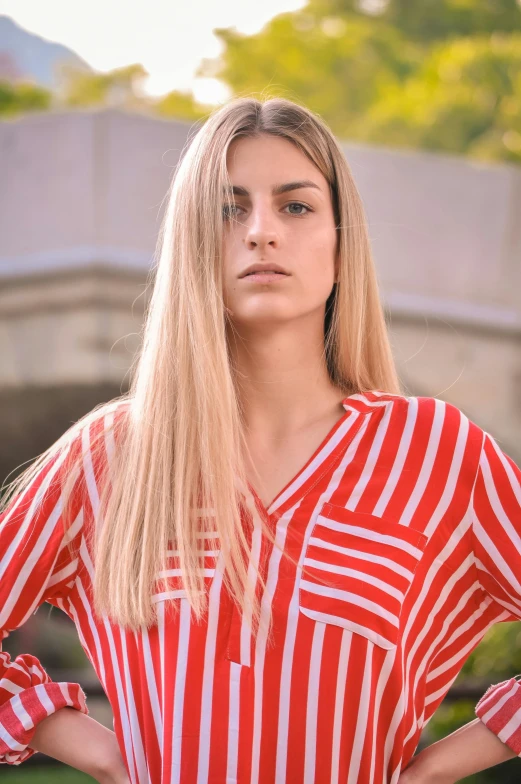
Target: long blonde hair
x=179 y=464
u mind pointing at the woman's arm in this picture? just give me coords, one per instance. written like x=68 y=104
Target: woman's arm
x=83 y=743
x=468 y=750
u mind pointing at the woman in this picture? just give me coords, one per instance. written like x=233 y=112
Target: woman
x=292 y=559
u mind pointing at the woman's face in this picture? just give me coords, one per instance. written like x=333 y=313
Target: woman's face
x=294 y=229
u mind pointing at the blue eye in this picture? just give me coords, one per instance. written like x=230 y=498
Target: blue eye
x=226 y=210
x=299 y=204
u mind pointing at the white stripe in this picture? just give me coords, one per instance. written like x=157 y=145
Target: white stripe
x=385 y=673
x=214 y=600
x=179 y=689
x=207 y=553
x=341 y=688
x=511 y=726
x=9 y=741
x=21 y=714
x=135 y=728
x=88 y=612
x=253 y=564
x=372 y=534
x=310 y=747
x=41 y=692
x=122 y=706
x=178 y=593
x=398 y=568
x=499 y=704
x=178 y=573
x=160 y=610
x=152 y=687
x=350 y=598
x=365 y=631
x=361 y=718
x=357 y=574
x=260 y=645
x=233 y=722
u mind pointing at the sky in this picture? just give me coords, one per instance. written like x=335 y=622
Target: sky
x=168 y=37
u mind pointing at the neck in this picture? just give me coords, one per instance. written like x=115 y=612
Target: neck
x=283 y=382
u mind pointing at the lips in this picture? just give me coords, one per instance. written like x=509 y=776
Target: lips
x=263 y=268
x=265 y=272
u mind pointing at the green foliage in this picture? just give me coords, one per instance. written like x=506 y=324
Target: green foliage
x=337 y=66
x=464 y=98
x=440 y=76
x=122 y=86
x=19 y=98
x=426 y=21
x=498 y=655
x=21 y=774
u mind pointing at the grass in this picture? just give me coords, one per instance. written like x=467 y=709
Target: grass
x=50 y=774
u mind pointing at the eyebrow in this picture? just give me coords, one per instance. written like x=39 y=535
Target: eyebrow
x=239 y=190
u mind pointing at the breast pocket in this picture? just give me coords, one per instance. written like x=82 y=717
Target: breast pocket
x=357 y=570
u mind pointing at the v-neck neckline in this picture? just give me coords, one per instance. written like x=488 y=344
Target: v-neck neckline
x=349 y=410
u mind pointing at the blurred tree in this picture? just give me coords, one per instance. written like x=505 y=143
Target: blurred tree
x=119 y=87
x=22 y=97
x=339 y=66
x=181 y=105
x=381 y=78
x=464 y=98
x=426 y=21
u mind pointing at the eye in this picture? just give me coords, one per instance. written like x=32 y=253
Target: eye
x=226 y=210
x=299 y=204
x=229 y=211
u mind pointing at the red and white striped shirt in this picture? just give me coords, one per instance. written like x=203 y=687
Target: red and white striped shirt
x=410 y=511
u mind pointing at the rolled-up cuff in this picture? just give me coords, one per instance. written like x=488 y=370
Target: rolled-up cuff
x=500 y=710
x=20 y=716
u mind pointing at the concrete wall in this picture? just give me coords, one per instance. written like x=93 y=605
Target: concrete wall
x=81 y=198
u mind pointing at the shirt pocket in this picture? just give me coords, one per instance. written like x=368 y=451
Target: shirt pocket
x=358 y=568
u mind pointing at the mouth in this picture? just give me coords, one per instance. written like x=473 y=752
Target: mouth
x=264 y=277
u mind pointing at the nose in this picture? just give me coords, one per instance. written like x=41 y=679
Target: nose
x=261 y=229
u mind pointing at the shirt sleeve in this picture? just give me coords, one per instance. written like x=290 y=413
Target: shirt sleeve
x=35 y=566
x=496 y=509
